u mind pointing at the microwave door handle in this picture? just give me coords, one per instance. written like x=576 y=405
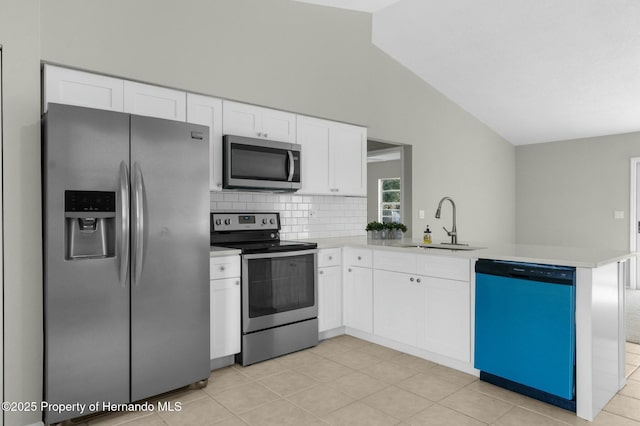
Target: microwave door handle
x=292 y=166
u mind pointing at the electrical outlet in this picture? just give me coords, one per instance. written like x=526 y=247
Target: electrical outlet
x=421 y=214
x=618 y=214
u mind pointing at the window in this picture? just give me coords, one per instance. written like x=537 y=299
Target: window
x=389 y=200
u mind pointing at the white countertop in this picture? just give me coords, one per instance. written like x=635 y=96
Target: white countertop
x=222 y=251
x=550 y=255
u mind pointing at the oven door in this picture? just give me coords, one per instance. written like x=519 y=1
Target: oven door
x=278 y=288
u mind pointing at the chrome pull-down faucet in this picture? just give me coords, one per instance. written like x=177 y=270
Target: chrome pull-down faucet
x=454 y=232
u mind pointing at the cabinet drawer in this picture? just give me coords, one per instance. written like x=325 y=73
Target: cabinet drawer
x=395 y=261
x=452 y=268
x=359 y=257
x=329 y=257
x=224 y=267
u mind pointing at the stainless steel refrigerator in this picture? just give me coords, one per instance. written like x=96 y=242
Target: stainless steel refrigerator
x=126 y=257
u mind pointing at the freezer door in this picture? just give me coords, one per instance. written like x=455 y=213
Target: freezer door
x=86 y=283
x=170 y=255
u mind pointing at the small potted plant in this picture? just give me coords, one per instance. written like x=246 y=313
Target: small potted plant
x=375 y=228
x=395 y=230
x=399 y=230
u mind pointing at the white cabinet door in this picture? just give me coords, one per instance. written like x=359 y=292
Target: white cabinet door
x=154 y=101
x=358 y=298
x=225 y=317
x=448 y=329
x=207 y=111
x=334 y=157
x=398 y=307
x=329 y=298
x=278 y=125
x=313 y=135
x=71 y=87
x=258 y=122
x=349 y=161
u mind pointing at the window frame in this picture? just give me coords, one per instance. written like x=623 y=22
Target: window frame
x=381 y=203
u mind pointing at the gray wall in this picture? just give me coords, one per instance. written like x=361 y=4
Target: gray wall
x=375 y=171
x=568 y=191
x=20 y=39
x=298 y=57
x=303 y=58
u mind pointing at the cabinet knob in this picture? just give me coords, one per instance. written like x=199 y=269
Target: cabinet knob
x=265 y=134
x=418 y=280
x=411 y=279
x=330 y=257
x=321 y=272
x=259 y=133
x=222 y=268
x=349 y=269
x=359 y=257
x=237 y=282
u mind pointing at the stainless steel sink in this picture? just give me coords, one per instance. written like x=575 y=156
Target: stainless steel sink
x=443 y=246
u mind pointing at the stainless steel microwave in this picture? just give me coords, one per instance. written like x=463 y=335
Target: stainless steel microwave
x=250 y=163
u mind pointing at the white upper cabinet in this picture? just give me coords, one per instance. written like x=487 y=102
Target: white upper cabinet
x=154 y=101
x=207 y=111
x=334 y=157
x=258 y=122
x=349 y=159
x=71 y=87
x=313 y=135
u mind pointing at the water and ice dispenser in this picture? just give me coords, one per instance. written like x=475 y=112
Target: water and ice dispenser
x=90 y=224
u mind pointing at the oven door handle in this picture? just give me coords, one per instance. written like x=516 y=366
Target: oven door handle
x=279 y=254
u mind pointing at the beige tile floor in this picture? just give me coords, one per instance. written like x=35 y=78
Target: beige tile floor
x=347 y=381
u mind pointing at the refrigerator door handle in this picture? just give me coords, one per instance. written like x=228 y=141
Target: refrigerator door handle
x=124 y=243
x=138 y=196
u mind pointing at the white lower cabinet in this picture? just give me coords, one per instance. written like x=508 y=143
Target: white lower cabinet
x=329 y=289
x=448 y=327
x=399 y=307
x=358 y=298
x=422 y=301
x=225 y=306
x=225 y=317
x=329 y=298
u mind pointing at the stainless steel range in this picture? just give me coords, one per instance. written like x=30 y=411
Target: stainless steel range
x=279 y=291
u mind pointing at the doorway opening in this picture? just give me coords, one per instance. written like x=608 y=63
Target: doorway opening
x=389 y=183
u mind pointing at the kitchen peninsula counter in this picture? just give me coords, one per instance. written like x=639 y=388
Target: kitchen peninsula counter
x=548 y=255
x=599 y=304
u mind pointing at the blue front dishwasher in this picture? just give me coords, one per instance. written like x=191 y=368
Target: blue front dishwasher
x=525 y=329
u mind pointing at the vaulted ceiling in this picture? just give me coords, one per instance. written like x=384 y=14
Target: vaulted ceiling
x=533 y=71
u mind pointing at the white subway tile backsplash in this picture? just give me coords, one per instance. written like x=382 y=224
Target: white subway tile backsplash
x=303 y=217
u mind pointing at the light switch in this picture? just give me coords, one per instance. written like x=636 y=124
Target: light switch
x=618 y=214
x=421 y=214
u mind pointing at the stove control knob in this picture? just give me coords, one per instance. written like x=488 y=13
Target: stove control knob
x=227 y=221
x=273 y=235
x=218 y=221
x=264 y=221
x=272 y=221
